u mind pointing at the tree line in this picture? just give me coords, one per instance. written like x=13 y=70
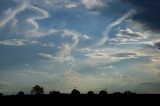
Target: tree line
x=39 y=91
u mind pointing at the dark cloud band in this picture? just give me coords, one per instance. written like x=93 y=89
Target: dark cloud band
x=148 y=13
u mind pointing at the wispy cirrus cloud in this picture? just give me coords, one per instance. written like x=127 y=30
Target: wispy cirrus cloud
x=18 y=42
x=129 y=36
x=130 y=33
x=101 y=56
x=32 y=20
x=25 y=42
x=62 y=56
x=94 y=4
x=106 y=67
x=11 y=13
x=109 y=27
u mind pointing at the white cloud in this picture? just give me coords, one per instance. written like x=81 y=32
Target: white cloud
x=49 y=45
x=113 y=24
x=33 y=33
x=106 y=67
x=135 y=39
x=11 y=13
x=56 y=4
x=90 y=4
x=31 y=28
x=130 y=33
x=62 y=56
x=75 y=35
x=86 y=37
x=71 y=5
x=48 y=56
x=32 y=20
x=102 y=56
x=18 y=42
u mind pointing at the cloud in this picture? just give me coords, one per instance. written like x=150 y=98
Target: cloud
x=19 y=16
x=132 y=37
x=94 y=4
x=33 y=33
x=74 y=35
x=71 y=5
x=130 y=33
x=108 y=29
x=25 y=42
x=128 y=55
x=128 y=36
x=41 y=14
x=102 y=56
x=18 y=42
x=11 y=13
x=106 y=67
x=148 y=13
x=49 y=45
x=62 y=56
x=48 y=56
x=157 y=44
x=32 y=20
x=86 y=37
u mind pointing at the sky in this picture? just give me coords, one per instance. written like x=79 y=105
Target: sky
x=95 y=45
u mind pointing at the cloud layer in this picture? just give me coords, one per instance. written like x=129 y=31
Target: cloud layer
x=147 y=13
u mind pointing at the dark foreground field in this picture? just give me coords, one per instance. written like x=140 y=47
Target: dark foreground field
x=82 y=99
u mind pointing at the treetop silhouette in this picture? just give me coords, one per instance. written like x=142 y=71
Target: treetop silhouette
x=37 y=90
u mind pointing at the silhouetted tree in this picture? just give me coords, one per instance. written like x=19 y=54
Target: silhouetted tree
x=54 y=93
x=20 y=93
x=1 y=94
x=75 y=92
x=103 y=93
x=37 y=90
x=90 y=93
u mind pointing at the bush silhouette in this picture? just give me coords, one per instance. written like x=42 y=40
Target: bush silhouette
x=54 y=93
x=20 y=93
x=37 y=90
x=103 y=93
x=1 y=94
x=75 y=92
x=90 y=93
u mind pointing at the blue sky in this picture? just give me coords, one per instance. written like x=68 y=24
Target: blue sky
x=88 y=44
